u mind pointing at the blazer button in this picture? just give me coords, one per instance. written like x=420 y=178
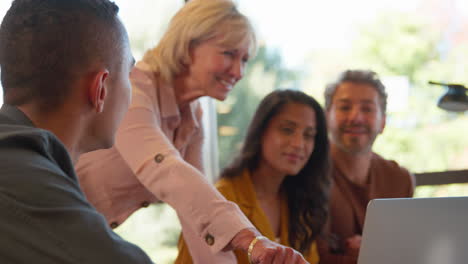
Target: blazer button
x=209 y=239
x=159 y=158
x=114 y=225
x=145 y=204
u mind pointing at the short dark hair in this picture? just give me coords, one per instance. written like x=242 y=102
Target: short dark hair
x=46 y=44
x=357 y=76
x=307 y=192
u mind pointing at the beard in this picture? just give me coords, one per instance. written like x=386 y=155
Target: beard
x=355 y=144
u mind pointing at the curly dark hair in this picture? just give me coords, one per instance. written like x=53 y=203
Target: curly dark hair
x=308 y=191
x=46 y=44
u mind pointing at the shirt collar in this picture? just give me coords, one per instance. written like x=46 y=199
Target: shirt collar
x=247 y=200
x=244 y=185
x=15 y=114
x=167 y=100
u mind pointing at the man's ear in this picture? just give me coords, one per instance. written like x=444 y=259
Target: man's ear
x=97 y=90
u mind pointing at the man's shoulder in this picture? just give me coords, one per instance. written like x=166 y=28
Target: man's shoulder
x=30 y=157
x=394 y=180
x=388 y=166
x=16 y=137
x=21 y=143
x=378 y=160
x=11 y=131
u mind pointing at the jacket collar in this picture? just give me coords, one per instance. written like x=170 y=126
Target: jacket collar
x=165 y=95
x=15 y=114
x=247 y=196
x=247 y=201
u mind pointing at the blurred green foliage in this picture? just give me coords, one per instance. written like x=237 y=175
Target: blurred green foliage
x=420 y=137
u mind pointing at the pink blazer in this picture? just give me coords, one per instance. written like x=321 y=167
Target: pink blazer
x=157 y=156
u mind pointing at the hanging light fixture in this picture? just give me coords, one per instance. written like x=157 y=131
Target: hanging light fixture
x=454 y=99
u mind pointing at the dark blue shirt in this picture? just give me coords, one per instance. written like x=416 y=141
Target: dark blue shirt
x=44 y=215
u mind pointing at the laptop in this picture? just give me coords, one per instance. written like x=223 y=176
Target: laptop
x=416 y=231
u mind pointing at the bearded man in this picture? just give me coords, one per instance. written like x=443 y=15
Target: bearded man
x=356 y=113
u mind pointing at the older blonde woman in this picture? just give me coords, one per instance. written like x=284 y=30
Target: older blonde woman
x=158 y=156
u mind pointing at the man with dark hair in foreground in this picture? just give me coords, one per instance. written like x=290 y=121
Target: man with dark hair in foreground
x=64 y=71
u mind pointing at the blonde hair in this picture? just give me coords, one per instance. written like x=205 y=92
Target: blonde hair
x=196 y=22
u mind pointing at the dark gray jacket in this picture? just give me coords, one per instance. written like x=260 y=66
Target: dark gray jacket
x=44 y=215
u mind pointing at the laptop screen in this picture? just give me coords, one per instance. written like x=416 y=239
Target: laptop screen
x=416 y=231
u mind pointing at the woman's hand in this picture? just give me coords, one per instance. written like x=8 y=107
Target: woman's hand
x=265 y=251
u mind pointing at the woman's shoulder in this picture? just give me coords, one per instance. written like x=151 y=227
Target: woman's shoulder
x=146 y=83
x=237 y=188
x=143 y=74
x=226 y=186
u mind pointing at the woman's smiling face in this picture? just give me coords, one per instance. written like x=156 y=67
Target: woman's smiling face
x=215 y=68
x=289 y=139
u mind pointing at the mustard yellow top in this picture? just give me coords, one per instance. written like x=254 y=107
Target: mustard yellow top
x=241 y=191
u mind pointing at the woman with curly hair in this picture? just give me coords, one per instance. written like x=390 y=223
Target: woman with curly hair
x=280 y=177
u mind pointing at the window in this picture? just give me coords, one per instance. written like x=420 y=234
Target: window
x=306 y=44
